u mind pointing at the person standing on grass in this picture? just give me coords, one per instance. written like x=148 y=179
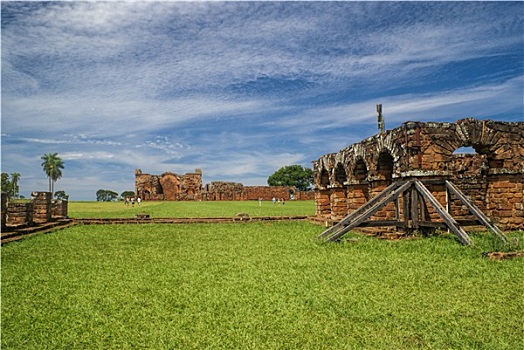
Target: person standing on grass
x=138 y=200
x=132 y=201
x=127 y=201
x=259 y=201
x=274 y=200
x=283 y=201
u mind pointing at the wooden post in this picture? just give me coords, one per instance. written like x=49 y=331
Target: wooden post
x=414 y=209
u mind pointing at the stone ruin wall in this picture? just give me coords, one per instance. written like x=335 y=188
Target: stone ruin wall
x=39 y=210
x=233 y=191
x=492 y=177
x=169 y=186
x=188 y=187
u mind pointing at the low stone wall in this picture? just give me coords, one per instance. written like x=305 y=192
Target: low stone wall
x=41 y=209
x=59 y=209
x=19 y=214
x=267 y=193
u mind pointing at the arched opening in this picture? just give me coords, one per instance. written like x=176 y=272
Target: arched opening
x=358 y=192
x=322 y=200
x=338 y=193
x=360 y=171
x=385 y=166
x=340 y=175
x=469 y=169
x=384 y=178
x=324 y=178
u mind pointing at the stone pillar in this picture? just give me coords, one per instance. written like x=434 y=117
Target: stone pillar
x=19 y=214
x=41 y=207
x=505 y=200
x=322 y=203
x=357 y=196
x=338 y=203
x=388 y=212
x=59 y=208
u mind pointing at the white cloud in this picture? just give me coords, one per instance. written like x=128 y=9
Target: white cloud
x=239 y=89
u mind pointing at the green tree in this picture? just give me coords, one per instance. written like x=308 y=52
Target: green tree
x=10 y=186
x=125 y=194
x=61 y=195
x=106 y=196
x=52 y=165
x=292 y=175
x=6 y=184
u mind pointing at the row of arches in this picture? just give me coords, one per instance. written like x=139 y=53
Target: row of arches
x=479 y=156
x=357 y=171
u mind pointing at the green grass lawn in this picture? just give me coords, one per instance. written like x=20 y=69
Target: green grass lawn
x=255 y=286
x=189 y=209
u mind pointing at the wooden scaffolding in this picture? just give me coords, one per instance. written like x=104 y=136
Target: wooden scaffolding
x=415 y=198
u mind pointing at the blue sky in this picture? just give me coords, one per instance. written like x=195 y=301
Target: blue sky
x=239 y=89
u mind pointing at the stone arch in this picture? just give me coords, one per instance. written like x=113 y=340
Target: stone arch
x=484 y=137
x=340 y=175
x=360 y=170
x=385 y=165
x=324 y=178
x=357 y=193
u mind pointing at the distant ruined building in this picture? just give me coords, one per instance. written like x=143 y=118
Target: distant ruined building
x=492 y=178
x=188 y=187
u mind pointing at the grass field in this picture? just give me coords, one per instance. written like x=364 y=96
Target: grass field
x=189 y=209
x=255 y=286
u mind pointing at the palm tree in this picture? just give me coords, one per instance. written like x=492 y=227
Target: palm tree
x=15 y=177
x=53 y=166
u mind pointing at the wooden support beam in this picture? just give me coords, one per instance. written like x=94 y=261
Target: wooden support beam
x=448 y=219
x=407 y=217
x=414 y=209
x=344 y=222
x=415 y=195
x=382 y=223
x=389 y=196
x=476 y=211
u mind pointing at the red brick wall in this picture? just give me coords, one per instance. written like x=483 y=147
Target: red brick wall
x=492 y=178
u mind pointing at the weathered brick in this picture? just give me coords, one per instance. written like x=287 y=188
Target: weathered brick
x=492 y=179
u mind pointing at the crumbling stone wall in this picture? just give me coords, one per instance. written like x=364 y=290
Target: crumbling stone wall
x=41 y=207
x=268 y=192
x=492 y=178
x=39 y=210
x=173 y=187
x=19 y=214
x=168 y=186
x=223 y=191
x=234 y=191
x=59 y=209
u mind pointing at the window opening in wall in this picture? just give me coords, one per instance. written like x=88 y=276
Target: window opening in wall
x=465 y=150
